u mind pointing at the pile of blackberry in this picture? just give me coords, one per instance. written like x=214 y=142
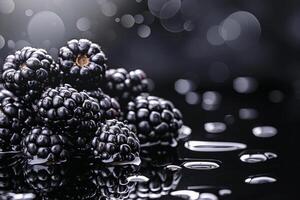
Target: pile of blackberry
x=52 y=111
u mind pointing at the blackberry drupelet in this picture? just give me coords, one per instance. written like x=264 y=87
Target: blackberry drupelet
x=82 y=63
x=154 y=119
x=114 y=141
x=125 y=86
x=15 y=119
x=45 y=145
x=110 y=106
x=28 y=72
x=112 y=181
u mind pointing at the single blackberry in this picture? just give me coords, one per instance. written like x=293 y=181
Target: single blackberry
x=28 y=72
x=114 y=141
x=125 y=86
x=82 y=63
x=154 y=119
x=110 y=106
x=44 y=179
x=112 y=181
x=45 y=145
x=15 y=118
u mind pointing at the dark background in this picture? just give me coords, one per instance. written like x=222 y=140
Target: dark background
x=208 y=43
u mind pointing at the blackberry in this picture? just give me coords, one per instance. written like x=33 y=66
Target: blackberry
x=15 y=118
x=44 y=179
x=45 y=145
x=114 y=141
x=28 y=72
x=112 y=181
x=110 y=106
x=125 y=86
x=154 y=119
x=82 y=63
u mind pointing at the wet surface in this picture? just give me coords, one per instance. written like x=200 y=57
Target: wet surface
x=227 y=152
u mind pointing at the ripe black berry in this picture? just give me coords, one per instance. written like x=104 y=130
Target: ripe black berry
x=28 y=72
x=15 y=118
x=154 y=119
x=114 y=141
x=125 y=86
x=45 y=145
x=82 y=63
x=110 y=106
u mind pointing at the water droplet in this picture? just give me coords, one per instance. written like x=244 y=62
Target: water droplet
x=83 y=24
x=207 y=146
x=109 y=8
x=264 y=131
x=201 y=165
x=127 y=21
x=28 y=12
x=184 y=132
x=270 y=155
x=173 y=168
x=139 y=19
x=54 y=31
x=248 y=113
x=215 y=127
x=183 y=86
x=260 y=180
x=224 y=192
x=2 y=42
x=138 y=178
x=207 y=196
x=7 y=6
x=192 y=98
x=276 y=96
x=245 y=84
x=211 y=100
x=144 y=31
x=186 y=194
x=253 y=158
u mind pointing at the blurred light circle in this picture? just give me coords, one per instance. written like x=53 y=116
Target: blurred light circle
x=213 y=36
x=169 y=9
x=7 y=6
x=192 y=98
x=2 y=42
x=188 y=25
x=28 y=12
x=174 y=24
x=144 y=31
x=245 y=84
x=21 y=44
x=117 y=20
x=155 y=6
x=230 y=29
x=127 y=21
x=219 y=72
x=240 y=30
x=276 y=96
x=11 y=44
x=139 y=19
x=45 y=25
x=83 y=24
x=109 y=9
x=183 y=86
